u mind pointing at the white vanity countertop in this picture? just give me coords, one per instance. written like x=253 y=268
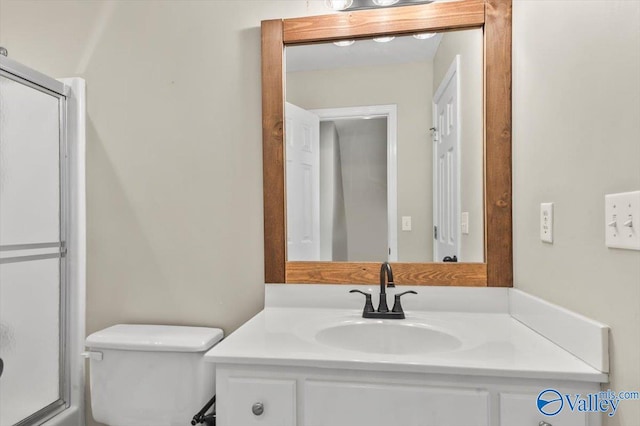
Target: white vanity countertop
x=494 y=343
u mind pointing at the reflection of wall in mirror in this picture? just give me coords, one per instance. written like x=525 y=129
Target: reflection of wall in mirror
x=409 y=86
x=363 y=151
x=469 y=45
x=333 y=226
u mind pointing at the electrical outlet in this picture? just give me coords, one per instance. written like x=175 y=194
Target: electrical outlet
x=546 y=222
x=464 y=223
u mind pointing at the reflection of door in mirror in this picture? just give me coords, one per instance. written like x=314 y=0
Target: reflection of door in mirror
x=463 y=49
x=303 y=183
x=355 y=166
x=446 y=159
x=404 y=72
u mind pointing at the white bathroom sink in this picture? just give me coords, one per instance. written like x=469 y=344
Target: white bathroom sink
x=387 y=337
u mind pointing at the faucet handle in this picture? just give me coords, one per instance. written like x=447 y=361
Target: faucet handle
x=368 y=305
x=397 y=307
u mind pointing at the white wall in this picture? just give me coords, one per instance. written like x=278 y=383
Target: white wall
x=175 y=171
x=469 y=45
x=333 y=233
x=363 y=154
x=576 y=137
x=410 y=87
x=174 y=149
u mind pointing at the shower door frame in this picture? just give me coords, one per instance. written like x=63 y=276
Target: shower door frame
x=23 y=75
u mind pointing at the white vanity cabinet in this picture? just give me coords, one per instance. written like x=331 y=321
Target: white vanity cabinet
x=251 y=401
x=281 y=396
x=520 y=409
x=330 y=403
x=280 y=369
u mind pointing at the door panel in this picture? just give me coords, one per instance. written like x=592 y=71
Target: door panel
x=521 y=409
x=29 y=159
x=366 y=404
x=446 y=145
x=303 y=184
x=31 y=271
x=277 y=399
x=29 y=330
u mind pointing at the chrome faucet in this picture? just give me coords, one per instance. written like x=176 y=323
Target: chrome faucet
x=386 y=280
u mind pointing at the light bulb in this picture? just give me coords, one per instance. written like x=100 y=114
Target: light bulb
x=344 y=43
x=338 y=4
x=424 y=36
x=383 y=39
x=384 y=2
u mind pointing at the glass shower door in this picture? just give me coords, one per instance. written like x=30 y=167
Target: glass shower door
x=32 y=269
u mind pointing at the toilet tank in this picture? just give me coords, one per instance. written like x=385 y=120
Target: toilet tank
x=145 y=375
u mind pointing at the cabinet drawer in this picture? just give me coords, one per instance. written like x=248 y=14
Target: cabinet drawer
x=276 y=397
x=521 y=410
x=368 y=404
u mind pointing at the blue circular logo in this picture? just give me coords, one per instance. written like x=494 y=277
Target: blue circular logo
x=550 y=402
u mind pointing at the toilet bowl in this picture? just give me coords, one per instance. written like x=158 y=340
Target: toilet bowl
x=142 y=375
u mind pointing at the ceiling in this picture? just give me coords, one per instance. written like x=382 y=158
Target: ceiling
x=367 y=52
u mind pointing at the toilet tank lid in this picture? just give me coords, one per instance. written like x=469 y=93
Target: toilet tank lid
x=156 y=338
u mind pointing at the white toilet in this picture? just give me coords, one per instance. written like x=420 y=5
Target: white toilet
x=144 y=375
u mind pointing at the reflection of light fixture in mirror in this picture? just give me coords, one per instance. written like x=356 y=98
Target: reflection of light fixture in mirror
x=383 y=39
x=344 y=43
x=424 y=36
x=384 y=2
x=338 y=4
x=349 y=5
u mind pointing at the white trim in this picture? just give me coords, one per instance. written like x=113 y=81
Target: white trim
x=391 y=112
x=76 y=254
x=454 y=70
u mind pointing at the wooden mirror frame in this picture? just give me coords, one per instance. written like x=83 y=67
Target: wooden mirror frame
x=494 y=16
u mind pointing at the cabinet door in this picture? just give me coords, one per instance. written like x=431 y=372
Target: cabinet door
x=366 y=404
x=521 y=410
x=276 y=397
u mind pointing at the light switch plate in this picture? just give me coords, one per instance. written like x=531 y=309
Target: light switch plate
x=406 y=223
x=546 y=222
x=622 y=220
x=464 y=223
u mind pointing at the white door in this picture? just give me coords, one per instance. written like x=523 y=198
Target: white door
x=446 y=146
x=302 y=134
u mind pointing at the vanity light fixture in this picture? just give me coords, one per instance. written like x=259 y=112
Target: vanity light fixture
x=349 y=5
x=344 y=43
x=338 y=4
x=424 y=36
x=383 y=39
x=384 y=2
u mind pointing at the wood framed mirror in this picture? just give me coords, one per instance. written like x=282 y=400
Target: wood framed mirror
x=494 y=18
